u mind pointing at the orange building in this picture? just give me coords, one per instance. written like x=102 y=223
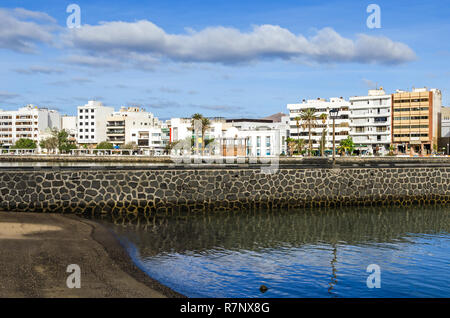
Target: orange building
x=415 y=120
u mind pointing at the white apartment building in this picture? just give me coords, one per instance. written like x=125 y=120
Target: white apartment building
x=92 y=122
x=69 y=124
x=370 y=121
x=321 y=106
x=27 y=122
x=122 y=127
x=445 y=122
x=180 y=128
x=259 y=137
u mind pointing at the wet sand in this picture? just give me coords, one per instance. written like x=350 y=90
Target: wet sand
x=36 y=249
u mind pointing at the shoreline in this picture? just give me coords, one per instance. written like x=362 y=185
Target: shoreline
x=37 y=248
x=117 y=252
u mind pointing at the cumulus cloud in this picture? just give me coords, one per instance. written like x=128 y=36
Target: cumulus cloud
x=228 y=45
x=22 y=30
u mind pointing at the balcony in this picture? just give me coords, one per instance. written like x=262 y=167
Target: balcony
x=115 y=124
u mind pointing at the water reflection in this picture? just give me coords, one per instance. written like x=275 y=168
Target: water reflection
x=258 y=230
x=313 y=253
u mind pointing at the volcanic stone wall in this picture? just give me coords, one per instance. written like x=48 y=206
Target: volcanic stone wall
x=146 y=191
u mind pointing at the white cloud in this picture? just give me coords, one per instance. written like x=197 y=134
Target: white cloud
x=18 y=33
x=37 y=69
x=6 y=96
x=230 y=46
x=34 y=15
x=92 y=61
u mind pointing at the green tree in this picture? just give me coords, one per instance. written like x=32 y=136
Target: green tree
x=58 y=140
x=50 y=143
x=67 y=147
x=296 y=145
x=291 y=143
x=206 y=124
x=309 y=118
x=24 y=143
x=346 y=146
x=105 y=145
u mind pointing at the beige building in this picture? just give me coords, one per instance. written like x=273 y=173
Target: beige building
x=415 y=120
x=123 y=126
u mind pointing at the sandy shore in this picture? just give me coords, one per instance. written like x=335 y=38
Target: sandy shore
x=36 y=249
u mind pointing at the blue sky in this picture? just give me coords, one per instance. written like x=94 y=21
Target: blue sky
x=220 y=58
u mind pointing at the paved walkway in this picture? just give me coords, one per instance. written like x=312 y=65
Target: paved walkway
x=36 y=249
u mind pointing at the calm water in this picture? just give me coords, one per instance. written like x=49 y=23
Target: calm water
x=320 y=253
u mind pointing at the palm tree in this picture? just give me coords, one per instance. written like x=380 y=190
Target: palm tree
x=308 y=117
x=291 y=143
x=323 y=141
x=206 y=124
x=297 y=123
x=300 y=145
x=195 y=117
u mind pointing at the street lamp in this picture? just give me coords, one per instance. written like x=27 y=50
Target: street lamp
x=334 y=113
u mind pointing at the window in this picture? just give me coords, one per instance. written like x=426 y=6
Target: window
x=258 y=141
x=81 y=110
x=92 y=117
x=92 y=130
x=268 y=141
x=92 y=110
x=92 y=137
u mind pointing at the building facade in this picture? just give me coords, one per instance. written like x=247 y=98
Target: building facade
x=445 y=122
x=121 y=126
x=370 y=122
x=69 y=124
x=415 y=120
x=255 y=137
x=92 y=121
x=321 y=126
x=26 y=122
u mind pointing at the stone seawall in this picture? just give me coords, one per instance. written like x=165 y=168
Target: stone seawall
x=165 y=190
